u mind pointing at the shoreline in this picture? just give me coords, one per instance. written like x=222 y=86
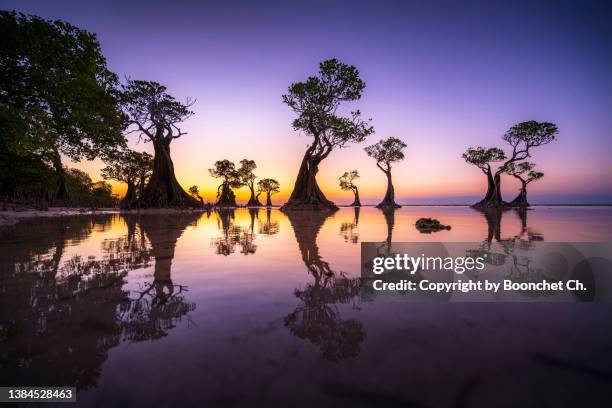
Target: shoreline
x=12 y=217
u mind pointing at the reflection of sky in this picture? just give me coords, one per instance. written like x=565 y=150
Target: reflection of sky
x=440 y=76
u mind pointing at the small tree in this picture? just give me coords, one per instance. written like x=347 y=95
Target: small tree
x=482 y=158
x=346 y=184
x=385 y=152
x=316 y=102
x=155 y=116
x=195 y=192
x=248 y=179
x=525 y=173
x=270 y=187
x=230 y=178
x=128 y=167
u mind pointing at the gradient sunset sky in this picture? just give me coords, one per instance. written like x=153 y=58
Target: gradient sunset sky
x=441 y=76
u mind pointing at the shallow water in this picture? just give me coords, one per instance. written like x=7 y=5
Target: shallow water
x=248 y=307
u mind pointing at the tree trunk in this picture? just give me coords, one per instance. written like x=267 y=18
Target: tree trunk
x=61 y=193
x=163 y=190
x=521 y=198
x=389 y=200
x=268 y=199
x=130 y=195
x=227 y=198
x=356 y=202
x=253 y=200
x=306 y=193
x=493 y=198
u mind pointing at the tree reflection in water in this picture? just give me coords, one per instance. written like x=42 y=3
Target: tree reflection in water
x=349 y=229
x=66 y=314
x=268 y=226
x=521 y=268
x=161 y=304
x=233 y=235
x=318 y=318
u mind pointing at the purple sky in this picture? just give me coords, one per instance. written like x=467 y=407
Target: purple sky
x=440 y=75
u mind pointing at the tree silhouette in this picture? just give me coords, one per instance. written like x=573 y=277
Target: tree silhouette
x=385 y=152
x=155 y=116
x=346 y=184
x=130 y=167
x=57 y=96
x=195 y=193
x=522 y=138
x=248 y=179
x=316 y=102
x=482 y=158
x=525 y=174
x=230 y=178
x=268 y=186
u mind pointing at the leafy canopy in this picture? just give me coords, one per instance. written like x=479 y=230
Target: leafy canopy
x=346 y=180
x=316 y=102
x=268 y=185
x=226 y=170
x=245 y=172
x=526 y=135
x=483 y=156
x=386 y=151
x=520 y=170
x=55 y=89
x=154 y=113
x=127 y=166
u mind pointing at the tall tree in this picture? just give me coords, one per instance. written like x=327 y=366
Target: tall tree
x=129 y=167
x=482 y=158
x=230 y=178
x=270 y=187
x=347 y=184
x=156 y=115
x=195 y=192
x=386 y=152
x=57 y=96
x=316 y=103
x=248 y=179
x=526 y=174
x=522 y=138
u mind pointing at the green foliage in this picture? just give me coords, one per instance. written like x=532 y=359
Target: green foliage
x=268 y=186
x=483 y=156
x=522 y=169
x=56 y=97
x=346 y=180
x=316 y=102
x=55 y=89
x=386 y=151
x=526 y=135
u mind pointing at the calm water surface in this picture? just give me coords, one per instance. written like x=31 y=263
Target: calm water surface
x=249 y=307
